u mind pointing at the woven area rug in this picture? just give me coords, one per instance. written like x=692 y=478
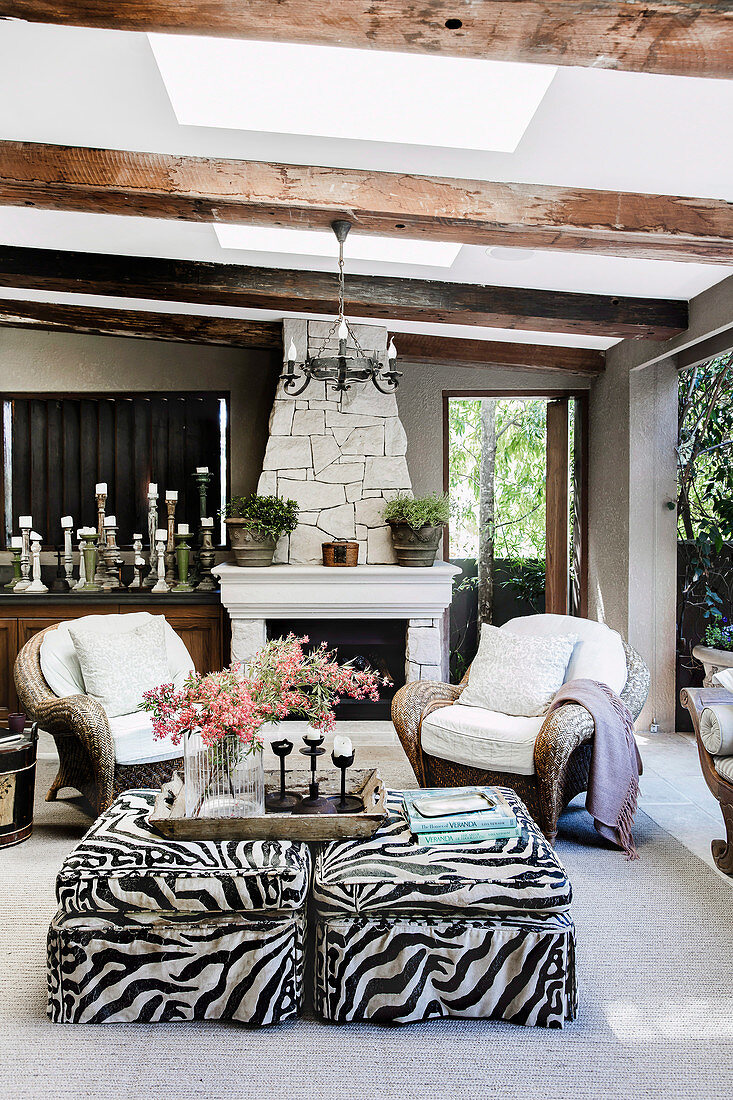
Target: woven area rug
x=655 y=942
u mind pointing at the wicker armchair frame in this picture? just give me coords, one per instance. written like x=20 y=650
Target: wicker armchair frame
x=696 y=699
x=81 y=731
x=561 y=754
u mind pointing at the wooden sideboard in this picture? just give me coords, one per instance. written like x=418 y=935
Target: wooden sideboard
x=200 y=621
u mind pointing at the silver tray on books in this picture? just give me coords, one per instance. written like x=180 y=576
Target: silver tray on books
x=169 y=812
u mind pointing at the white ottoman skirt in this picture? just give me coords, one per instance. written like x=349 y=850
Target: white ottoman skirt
x=405 y=933
x=149 y=929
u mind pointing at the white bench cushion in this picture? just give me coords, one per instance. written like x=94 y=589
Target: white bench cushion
x=482 y=738
x=724 y=767
x=132 y=735
x=598 y=653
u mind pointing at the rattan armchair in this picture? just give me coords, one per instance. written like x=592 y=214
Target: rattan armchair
x=696 y=700
x=561 y=753
x=80 y=728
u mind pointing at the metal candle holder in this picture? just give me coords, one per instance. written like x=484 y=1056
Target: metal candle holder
x=345 y=803
x=281 y=801
x=315 y=803
x=59 y=583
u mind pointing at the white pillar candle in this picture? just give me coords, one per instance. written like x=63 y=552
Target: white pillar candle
x=101 y=487
x=161 y=535
x=67 y=521
x=312 y=737
x=110 y=521
x=183 y=529
x=25 y=521
x=342 y=746
x=207 y=522
x=16 y=542
x=152 y=489
x=135 y=537
x=171 y=494
x=35 y=537
x=202 y=469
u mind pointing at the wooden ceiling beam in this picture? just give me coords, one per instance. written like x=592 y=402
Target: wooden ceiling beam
x=380 y=297
x=186 y=328
x=416 y=347
x=518 y=215
x=657 y=36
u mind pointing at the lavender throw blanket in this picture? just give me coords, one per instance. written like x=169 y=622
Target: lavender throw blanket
x=615 y=764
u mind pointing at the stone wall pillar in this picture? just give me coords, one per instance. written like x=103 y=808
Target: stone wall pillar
x=425 y=656
x=248 y=637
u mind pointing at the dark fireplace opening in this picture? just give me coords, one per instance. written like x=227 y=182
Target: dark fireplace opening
x=378 y=643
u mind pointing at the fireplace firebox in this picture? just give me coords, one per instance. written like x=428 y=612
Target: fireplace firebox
x=377 y=643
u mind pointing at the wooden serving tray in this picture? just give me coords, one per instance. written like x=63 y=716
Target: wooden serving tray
x=168 y=814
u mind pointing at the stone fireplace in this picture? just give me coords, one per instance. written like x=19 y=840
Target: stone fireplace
x=341 y=456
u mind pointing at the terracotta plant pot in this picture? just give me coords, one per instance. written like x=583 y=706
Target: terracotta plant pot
x=249 y=548
x=712 y=660
x=415 y=547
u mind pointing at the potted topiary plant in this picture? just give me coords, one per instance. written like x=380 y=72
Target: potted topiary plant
x=417 y=524
x=255 y=523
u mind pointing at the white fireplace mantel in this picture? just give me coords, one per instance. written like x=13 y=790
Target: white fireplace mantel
x=420 y=596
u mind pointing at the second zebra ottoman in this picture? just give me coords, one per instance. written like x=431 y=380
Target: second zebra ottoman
x=153 y=929
x=408 y=933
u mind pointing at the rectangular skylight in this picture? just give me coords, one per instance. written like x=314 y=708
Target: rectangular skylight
x=370 y=95
x=302 y=242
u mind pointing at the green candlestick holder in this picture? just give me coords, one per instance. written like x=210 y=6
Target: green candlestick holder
x=17 y=574
x=90 y=564
x=183 y=553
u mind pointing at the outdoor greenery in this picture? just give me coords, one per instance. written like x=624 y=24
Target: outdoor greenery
x=431 y=511
x=705 y=503
x=266 y=517
x=519 y=478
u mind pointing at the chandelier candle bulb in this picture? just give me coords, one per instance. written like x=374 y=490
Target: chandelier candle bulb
x=292 y=352
x=391 y=350
x=343 y=330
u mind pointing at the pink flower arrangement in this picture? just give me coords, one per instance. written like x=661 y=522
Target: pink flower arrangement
x=282 y=681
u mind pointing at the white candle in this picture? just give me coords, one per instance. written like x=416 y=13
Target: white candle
x=25 y=521
x=136 y=536
x=161 y=535
x=312 y=737
x=343 y=331
x=16 y=542
x=292 y=353
x=35 y=537
x=152 y=489
x=89 y=530
x=67 y=521
x=207 y=522
x=110 y=521
x=171 y=494
x=391 y=350
x=342 y=746
x=183 y=529
x=202 y=469
x=80 y=532
x=101 y=487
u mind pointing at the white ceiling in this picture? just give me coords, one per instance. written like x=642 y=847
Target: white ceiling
x=591 y=128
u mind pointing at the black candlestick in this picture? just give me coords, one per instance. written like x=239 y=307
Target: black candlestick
x=345 y=803
x=282 y=801
x=60 y=583
x=314 y=803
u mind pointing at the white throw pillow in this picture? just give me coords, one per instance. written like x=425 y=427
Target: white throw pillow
x=118 y=668
x=517 y=674
x=599 y=651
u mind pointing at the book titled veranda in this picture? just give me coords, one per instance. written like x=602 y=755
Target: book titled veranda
x=469 y=836
x=498 y=815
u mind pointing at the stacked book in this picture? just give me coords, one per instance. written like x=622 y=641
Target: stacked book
x=460 y=815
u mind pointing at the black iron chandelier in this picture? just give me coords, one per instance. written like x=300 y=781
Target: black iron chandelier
x=342 y=369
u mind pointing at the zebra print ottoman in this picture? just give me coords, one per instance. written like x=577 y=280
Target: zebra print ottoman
x=406 y=933
x=153 y=929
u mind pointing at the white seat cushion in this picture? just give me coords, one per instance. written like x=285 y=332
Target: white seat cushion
x=598 y=653
x=132 y=735
x=724 y=767
x=482 y=738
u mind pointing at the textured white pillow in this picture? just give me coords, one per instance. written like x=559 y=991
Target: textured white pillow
x=517 y=674
x=599 y=652
x=118 y=668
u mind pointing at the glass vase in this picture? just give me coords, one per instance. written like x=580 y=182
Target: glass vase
x=226 y=779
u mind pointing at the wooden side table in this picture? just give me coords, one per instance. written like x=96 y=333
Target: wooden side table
x=17 y=786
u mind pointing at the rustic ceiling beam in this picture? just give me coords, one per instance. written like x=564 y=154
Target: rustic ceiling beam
x=202 y=189
x=186 y=328
x=654 y=36
x=316 y=292
x=417 y=347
